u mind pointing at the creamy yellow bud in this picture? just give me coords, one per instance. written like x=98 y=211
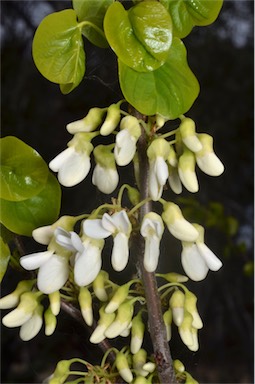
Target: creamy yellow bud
x=24 y=311
x=167 y=318
x=185 y=330
x=137 y=333
x=190 y=304
x=85 y=301
x=186 y=171
x=176 y=303
x=89 y=123
x=62 y=371
x=172 y=157
x=173 y=277
x=12 y=300
x=50 y=322
x=139 y=359
x=123 y=367
x=178 y=366
x=55 y=302
x=122 y=320
x=206 y=159
x=160 y=120
x=188 y=134
x=131 y=124
x=104 y=321
x=118 y=298
x=112 y=120
x=99 y=286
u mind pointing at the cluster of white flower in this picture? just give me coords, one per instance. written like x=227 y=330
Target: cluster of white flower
x=73 y=164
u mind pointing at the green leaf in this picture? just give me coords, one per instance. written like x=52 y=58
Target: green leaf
x=22 y=217
x=4 y=259
x=140 y=37
x=170 y=90
x=58 y=49
x=186 y=14
x=93 y=11
x=23 y=171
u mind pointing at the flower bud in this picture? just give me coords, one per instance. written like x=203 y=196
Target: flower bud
x=190 y=305
x=140 y=380
x=137 y=333
x=32 y=326
x=131 y=124
x=186 y=170
x=112 y=119
x=24 y=311
x=105 y=175
x=206 y=159
x=149 y=367
x=62 y=371
x=158 y=148
x=122 y=320
x=190 y=379
x=172 y=157
x=174 y=180
x=139 y=359
x=89 y=123
x=160 y=120
x=99 y=285
x=55 y=302
x=177 y=225
x=103 y=323
x=173 y=277
x=133 y=195
x=50 y=322
x=189 y=136
x=167 y=318
x=185 y=329
x=85 y=301
x=12 y=300
x=123 y=367
x=178 y=366
x=118 y=298
x=176 y=303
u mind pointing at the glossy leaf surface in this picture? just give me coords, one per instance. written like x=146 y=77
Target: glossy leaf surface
x=93 y=11
x=140 y=37
x=186 y=14
x=58 y=49
x=170 y=90
x=22 y=217
x=23 y=171
x=5 y=257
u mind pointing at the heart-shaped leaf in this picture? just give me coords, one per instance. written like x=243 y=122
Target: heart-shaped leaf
x=140 y=37
x=186 y=14
x=170 y=90
x=58 y=48
x=23 y=171
x=22 y=217
x=93 y=11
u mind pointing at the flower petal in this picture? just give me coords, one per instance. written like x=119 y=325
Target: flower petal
x=73 y=171
x=210 y=164
x=106 y=179
x=212 y=261
x=121 y=221
x=161 y=170
x=183 y=230
x=35 y=260
x=43 y=235
x=120 y=252
x=16 y=318
x=61 y=159
x=53 y=274
x=151 y=253
x=193 y=263
x=125 y=148
x=87 y=266
x=95 y=229
x=32 y=327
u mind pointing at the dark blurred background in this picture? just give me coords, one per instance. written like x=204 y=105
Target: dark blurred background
x=34 y=110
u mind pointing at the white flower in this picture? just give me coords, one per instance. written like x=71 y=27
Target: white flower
x=157 y=153
x=186 y=170
x=158 y=174
x=87 y=261
x=73 y=164
x=117 y=225
x=53 y=269
x=177 y=225
x=126 y=140
x=206 y=159
x=105 y=179
x=152 y=230
x=197 y=259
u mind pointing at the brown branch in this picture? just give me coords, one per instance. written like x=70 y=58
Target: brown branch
x=155 y=319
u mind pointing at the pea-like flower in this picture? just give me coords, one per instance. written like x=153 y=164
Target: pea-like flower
x=73 y=164
x=186 y=170
x=53 y=269
x=197 y=259
x=87 y=260
x=152 y=230
x=126 y=140
x=206 y=159
x=105 y=175
x=158 y=153
x=117 y=225
x=189 y=136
